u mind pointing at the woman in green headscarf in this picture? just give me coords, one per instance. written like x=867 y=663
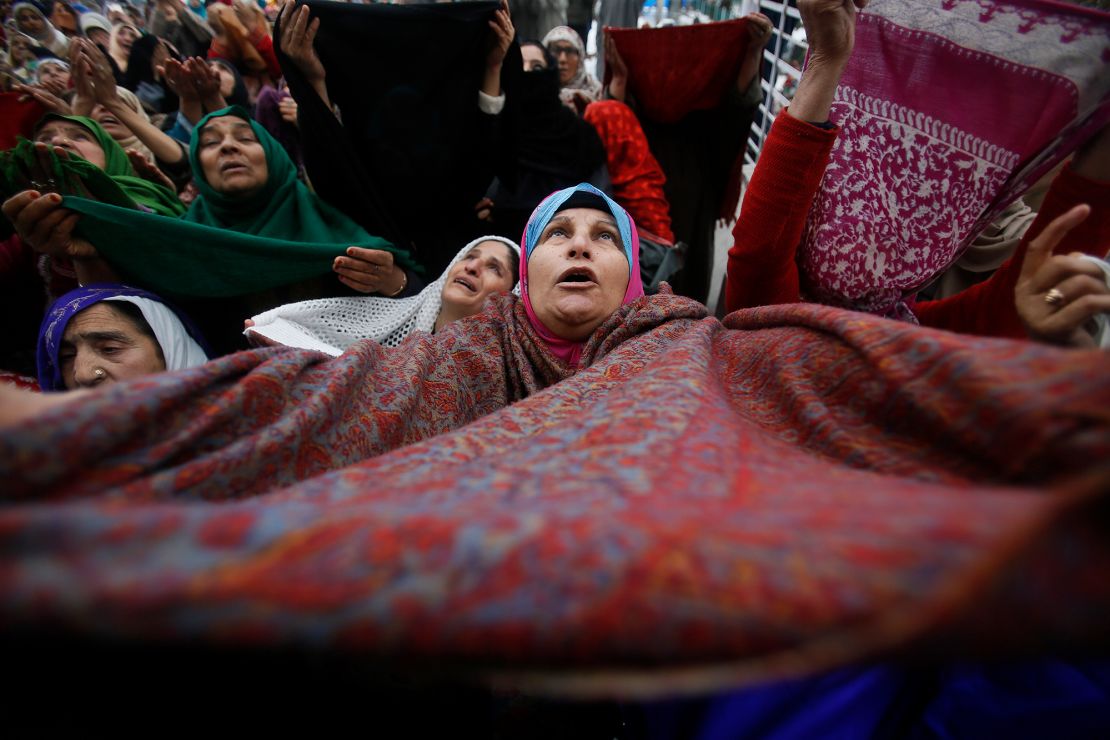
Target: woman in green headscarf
x=253 y=227
x=93 y=162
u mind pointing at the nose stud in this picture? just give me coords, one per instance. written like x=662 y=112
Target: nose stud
x=99 y=373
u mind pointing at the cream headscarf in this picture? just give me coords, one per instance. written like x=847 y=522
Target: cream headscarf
x=118 y=54
x=582 y=82
x=132 y=141
x=50 y=38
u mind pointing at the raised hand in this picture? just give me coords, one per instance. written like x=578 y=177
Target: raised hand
x=830 y=28
x=500 y=36
x=85 y=96
x=100 y=73
x=206 y=81
x=1056 y=295
x=177 y=79
x=831 y=33
x=147 y=170
x=298 y=33
x=287 y=107
x=44 y=97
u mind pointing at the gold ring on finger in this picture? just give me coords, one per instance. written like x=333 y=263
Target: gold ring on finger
x=1054 y=297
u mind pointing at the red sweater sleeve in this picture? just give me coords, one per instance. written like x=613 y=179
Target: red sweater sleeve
x=761 y=263
x=988 y=309
x=265 y=46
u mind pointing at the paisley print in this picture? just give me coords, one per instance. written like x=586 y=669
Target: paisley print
x=701 y=504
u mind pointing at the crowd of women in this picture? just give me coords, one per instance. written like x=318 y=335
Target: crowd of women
x=183 y=182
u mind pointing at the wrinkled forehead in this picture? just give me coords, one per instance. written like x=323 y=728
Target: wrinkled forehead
x=591 y=216
x=225 y=124
x=50 y=126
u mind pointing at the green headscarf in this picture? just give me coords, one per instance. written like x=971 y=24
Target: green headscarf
x=227 y=246
x=115 y=183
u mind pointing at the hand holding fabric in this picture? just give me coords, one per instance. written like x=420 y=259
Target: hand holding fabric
x=298 y=32
x=369 y=271
x=830 y=28
x=500 y=38
x=831 y=32
x=618 y=83
x=44 y=225
x=759 y=33
x=1056 y=295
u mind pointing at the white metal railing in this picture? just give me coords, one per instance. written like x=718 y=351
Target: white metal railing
x=783 y=59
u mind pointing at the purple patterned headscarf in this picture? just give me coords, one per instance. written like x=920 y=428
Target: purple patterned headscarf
x=178 y=337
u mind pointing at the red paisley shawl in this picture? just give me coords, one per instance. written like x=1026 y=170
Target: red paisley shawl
x=700 y=505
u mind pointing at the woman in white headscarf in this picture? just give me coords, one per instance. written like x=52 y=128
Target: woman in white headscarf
x=31 y=21
x=483 y=267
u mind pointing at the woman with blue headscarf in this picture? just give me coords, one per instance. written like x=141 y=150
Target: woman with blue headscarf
x=580 y=264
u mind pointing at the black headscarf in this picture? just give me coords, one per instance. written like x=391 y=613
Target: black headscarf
x=550 y=138
x=239 y=94
x=141 y=80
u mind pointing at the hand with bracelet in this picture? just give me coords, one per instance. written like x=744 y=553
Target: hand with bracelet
x=370 y=271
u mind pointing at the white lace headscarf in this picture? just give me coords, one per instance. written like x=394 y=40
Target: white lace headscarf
x=331 y=325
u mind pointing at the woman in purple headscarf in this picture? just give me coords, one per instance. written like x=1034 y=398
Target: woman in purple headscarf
x=108 y=333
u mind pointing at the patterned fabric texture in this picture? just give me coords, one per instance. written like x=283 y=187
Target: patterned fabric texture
x=949 y=110
x=701 y=505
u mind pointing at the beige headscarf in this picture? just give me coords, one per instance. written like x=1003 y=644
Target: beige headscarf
x=118 y=54
x=132 y=141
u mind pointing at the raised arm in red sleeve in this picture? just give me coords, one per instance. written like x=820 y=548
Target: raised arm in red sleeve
x=761 y=263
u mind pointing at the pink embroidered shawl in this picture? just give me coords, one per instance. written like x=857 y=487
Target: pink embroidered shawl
x=949 y=110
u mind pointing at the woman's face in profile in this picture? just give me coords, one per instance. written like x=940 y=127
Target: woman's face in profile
x=232 y=158
x=103 y=345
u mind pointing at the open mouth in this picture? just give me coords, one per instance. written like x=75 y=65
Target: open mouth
x=577 y=277
x=466 y=283
x=232 y=167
